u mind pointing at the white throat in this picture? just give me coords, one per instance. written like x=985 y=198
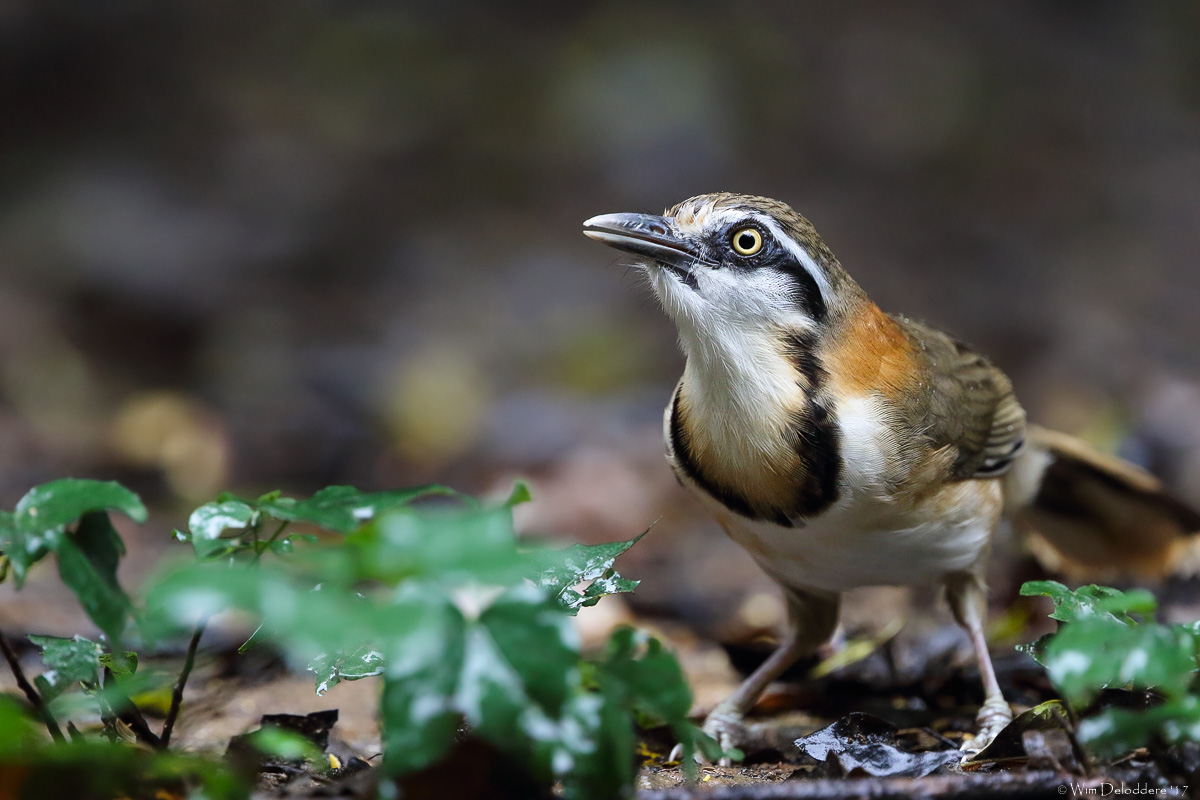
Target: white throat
x=740 y=390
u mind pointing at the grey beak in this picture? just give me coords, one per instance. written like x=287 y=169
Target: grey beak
x=643 y=235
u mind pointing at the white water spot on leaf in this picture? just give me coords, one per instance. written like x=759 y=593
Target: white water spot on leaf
x=1068 y=664
x=425 y=706
x=1134 y=663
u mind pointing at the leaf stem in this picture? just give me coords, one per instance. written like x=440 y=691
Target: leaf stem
x=258 y=551
x=177 y=692
x=35 y=699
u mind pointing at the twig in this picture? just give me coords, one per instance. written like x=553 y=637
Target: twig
x=35 y=699
x=259 y=552
x=177 y=692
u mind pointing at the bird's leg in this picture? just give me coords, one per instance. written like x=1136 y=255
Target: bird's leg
x=812 y=619
x=968 y=601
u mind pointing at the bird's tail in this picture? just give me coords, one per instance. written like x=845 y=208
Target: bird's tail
x=1090 y=513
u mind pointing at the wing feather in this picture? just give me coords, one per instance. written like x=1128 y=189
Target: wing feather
x=966 y=403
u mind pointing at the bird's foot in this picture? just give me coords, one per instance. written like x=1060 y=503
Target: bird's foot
x=726 y=726
x=993 y=717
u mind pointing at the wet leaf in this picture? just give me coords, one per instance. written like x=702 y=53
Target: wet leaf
x=860 y=743
x=418 y=708
x=341 y=509
x=450 y=621
x=560 y=571
x=1009 y=743
x=332 y=668
x=40 y=520
x=1092 y=601
x=533 y=637
x=68 y=661
x=1092 y=654
x=209 y=521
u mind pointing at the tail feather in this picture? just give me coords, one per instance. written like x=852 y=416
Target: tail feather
x=1089 y=512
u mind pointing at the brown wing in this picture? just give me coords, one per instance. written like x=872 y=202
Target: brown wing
x=969 y=405
x=1098 y=514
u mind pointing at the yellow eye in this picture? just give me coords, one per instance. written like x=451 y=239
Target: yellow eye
x=747 y=242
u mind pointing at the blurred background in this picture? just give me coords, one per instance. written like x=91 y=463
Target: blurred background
x=286 y=244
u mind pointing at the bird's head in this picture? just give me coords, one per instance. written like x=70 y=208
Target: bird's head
x=724 y=262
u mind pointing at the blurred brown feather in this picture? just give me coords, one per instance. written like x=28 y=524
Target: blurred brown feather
x=1090 y=515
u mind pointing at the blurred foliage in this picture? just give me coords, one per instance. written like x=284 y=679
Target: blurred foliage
x=292 y=244
x=1108 y=639
x=464 y=627
x=96 y=768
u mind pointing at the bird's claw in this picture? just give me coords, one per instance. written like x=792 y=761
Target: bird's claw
x=726 y=727
x=993 y=717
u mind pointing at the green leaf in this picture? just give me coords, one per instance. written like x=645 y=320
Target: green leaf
x=1092 y=601
x=332 y=668
x=592 y=748
x=521 y=663
x=61 y=502
x=286 y=745
x=67 y=661
x=99 y=541
x=261 y=634
x=520 y=494
x=645 y=678
x=18 y=732
x=305 y=622
x=423 y=666
x=559 y=571
x=440 y=545
x=97 y=589
x=44 y=512
x=537 y=640
x=343 y=508
x=120 y=664
x=97 y=768
x=95 y=699
x=209 y=521
x=1115 y=731
x=648 y=677
x=1099 y=652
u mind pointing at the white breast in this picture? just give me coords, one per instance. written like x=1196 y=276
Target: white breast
x=845 y=548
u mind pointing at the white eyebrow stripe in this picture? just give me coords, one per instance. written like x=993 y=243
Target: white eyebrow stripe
x=801 y=255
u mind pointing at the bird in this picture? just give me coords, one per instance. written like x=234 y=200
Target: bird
x=843 y=447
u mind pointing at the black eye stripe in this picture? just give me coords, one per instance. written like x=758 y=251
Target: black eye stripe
x=805 y=292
